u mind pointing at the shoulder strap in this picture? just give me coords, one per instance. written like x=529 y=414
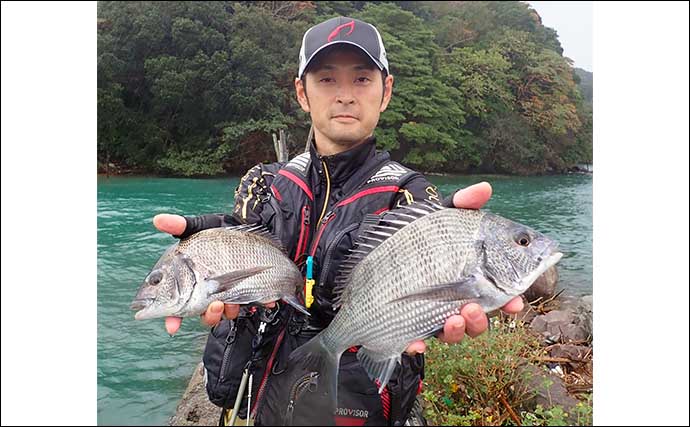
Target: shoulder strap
x=296 y=171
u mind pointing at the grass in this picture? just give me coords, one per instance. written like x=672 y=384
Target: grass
x=484 y=381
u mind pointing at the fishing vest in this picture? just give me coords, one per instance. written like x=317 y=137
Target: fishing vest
x=307 y=229
x=288 y=198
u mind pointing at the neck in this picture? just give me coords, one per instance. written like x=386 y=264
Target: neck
x=327 y=147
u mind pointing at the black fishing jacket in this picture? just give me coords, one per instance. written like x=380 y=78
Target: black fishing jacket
x=316 y=206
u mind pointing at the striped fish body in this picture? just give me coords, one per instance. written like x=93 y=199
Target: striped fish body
x=238 y=265
x=419 y=266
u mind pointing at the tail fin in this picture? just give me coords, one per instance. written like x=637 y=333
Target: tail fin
x=377 y=365
x=315 y=356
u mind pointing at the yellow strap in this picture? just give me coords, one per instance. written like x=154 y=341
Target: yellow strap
x=248 y=198
x=409 y=198
x=308 y=295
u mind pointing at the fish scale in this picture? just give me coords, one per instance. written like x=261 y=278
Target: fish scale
x=237 y=265
x=411 y=272
x=435 y=249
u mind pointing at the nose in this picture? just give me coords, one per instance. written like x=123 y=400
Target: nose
x=344 y=95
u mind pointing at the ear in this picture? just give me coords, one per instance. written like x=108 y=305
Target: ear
x=301 y=95
x=387 y=93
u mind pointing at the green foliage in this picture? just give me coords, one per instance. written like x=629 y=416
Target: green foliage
x=479 y=86
x=473 y=383
x=556 y=416
x=468 y=379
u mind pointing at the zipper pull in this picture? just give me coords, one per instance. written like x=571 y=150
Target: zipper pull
x=233 y=332
x=306 y=215
x=328 y=217
x=309 y=283
x=288 y=413
x=313 y=377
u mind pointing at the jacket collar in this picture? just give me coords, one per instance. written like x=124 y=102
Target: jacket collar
x=341 y=166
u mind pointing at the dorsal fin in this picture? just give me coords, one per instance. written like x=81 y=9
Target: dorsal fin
x=261 y=230
x=371 y=237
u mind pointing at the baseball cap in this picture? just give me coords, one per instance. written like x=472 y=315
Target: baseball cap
x=342 y=30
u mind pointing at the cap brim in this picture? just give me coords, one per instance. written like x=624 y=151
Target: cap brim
x=317 y=51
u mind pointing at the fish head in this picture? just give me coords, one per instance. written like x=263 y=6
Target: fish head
x=165 y=289
x=514 y=254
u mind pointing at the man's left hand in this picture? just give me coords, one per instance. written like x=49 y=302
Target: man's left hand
x=471 y=320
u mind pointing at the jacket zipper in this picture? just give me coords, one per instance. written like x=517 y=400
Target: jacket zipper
x=328 y=218
x=267 y=372
x=303 y=233
x=228 y=350
x=331 y=248
x=304 y=384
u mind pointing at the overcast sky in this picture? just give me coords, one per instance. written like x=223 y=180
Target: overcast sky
x=572 y=20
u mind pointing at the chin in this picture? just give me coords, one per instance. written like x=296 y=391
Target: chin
x=347 y=138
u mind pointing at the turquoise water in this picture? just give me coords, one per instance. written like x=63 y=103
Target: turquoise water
x=142 y=372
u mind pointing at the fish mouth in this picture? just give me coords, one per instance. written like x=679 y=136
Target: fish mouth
x=548 y=251
x=544 y=265
x=140 y=304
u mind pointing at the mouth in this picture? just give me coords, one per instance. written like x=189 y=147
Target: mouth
x=546 y=263
x=344 y=118
x=140 y=304
x=547 y=253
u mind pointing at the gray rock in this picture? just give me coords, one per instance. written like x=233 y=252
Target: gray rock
x=577 y=353
x=562 y=325
x=559 y=317
x=548 y=391
x=583 y=314
x=587 y=302
x=544 y=286
x=573 y=333
x=194 y=408
x=539 y=324
x=551 y=319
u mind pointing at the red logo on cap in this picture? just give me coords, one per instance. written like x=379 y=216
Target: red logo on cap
x=335 y=32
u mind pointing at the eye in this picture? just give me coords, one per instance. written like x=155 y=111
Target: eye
x=362 y=79
x=523 y=240
x=155 y=278
x=326 y=80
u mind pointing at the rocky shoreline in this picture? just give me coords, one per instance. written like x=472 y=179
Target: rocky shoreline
x=566 y=330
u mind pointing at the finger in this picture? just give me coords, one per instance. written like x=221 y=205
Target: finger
x=416 y=347
x=475 y=320
x=515 y=305
x=167 y=223
x=232 y=311
x=212 y=314
x=473 y=197
x=453 y=330
x=172 y=324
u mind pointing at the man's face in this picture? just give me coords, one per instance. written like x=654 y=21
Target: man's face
x=345 y=97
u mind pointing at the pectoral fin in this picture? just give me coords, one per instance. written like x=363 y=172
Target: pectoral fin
x=224 y=282
x=293 y=301
x=464 y=289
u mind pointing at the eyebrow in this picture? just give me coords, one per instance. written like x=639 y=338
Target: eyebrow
x=357 y=67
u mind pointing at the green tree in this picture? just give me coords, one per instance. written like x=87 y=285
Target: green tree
x=196 y=88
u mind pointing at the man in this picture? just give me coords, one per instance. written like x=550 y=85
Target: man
x=316 y=205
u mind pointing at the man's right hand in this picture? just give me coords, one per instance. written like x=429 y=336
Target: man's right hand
x=176 y=225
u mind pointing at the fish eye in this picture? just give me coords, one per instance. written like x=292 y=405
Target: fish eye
x=523 y=240
x=155 y=277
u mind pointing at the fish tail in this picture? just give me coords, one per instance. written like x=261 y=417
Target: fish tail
x=315 y=356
